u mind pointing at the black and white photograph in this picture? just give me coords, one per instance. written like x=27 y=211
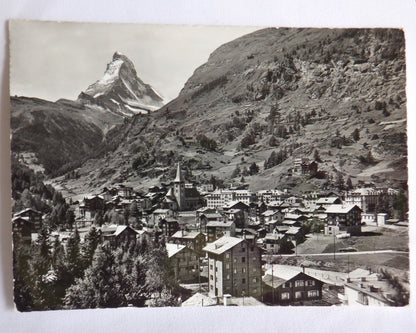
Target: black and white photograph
x=207 y=166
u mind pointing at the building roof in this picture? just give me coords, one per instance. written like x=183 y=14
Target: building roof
x=27 y=210
x=199 y=300
x=373 y=290
x=186 y=234
x=178 y=178
x=222 y=245
x=174 y=249
x=292 y=231
x=220 y=224
x=328 y=200
x=283 y=274
x=269 y=212
x=212 y=215
x=340 y=209
x=291 y=216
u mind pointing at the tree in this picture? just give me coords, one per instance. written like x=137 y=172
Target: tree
x=316 y=156
x=74 y=262
x=340 y=184
x=101 y=285
x=91 y=241
x=253 y=169
x=356 y=135
x=236 y=172
x=349 y=184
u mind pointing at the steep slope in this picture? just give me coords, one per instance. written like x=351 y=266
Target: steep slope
x=59 y=135
x=292 y=91
x=121 y=91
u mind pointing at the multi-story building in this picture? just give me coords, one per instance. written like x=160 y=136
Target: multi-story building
x=369 y=198
x=342 y=218
x=220 y=198
x=184 y=261
x=194 y=240
x=234 y=267
x=217 y=229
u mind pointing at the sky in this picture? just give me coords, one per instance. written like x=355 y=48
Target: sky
x=52 y=60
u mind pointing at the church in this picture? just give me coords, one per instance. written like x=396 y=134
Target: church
x=181 y=197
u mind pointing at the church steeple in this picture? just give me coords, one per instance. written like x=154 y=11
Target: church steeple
x=179 y=188
x=178 y=178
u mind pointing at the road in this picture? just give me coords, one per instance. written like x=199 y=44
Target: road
x=331 y=254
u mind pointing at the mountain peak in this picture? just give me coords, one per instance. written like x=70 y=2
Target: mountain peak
x=121 y=91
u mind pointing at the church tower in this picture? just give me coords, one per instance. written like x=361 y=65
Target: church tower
x=179 y=188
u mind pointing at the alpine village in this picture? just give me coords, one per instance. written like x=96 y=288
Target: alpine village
x=278 y=176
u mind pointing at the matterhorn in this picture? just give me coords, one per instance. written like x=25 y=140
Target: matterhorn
x=121 y=91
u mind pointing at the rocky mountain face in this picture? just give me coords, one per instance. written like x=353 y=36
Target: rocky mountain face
x=59 y=136
x=336 y=96
x=121 y=91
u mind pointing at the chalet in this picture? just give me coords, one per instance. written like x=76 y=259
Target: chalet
x=125 y=191
x=119 y=234
x=168 y=226
x=328 y=201
x=342 y=218
x=192 y=239
x=271 y=242
x=237 y=216
x=272 y=215
x=90 y=206
x=160 y=214
x=33 y=216
x=204 y=218
x=295 y=234
x=234 y=267
x=217 y=229
x=22 y=229
x=289 y=286
x=184 y=261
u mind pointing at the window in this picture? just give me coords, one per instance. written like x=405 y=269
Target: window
x=228 y=276
x=284 y=295
x=212 y=288
x=227 y=256
x=243 y=259
x=254 y=269
x=299 y=283
x=243 y=249
x=298 y=294
x=235 y=270
x=313 y=293
x=211 y=277
x=211 y=267
x=227 y=266
x=252 y=248
x=254 y=280
x=310 y=283
x=235 y=260
x=243 y=270
x=243 y=281
x=254 y=258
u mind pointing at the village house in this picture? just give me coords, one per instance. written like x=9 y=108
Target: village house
x=234 y=267
x=217 y=229
x=31 y=215
x=22 y=229
x=288 y=286
x=341 y=218
x=367 y=293
x=160 y=214
x=168 y=226
x=194 y=240
x=204 y=218
x=271 y=242
x=328 y=201
x=237 y=216
x=90 y=206
x=119 y=234
x=184 y=262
